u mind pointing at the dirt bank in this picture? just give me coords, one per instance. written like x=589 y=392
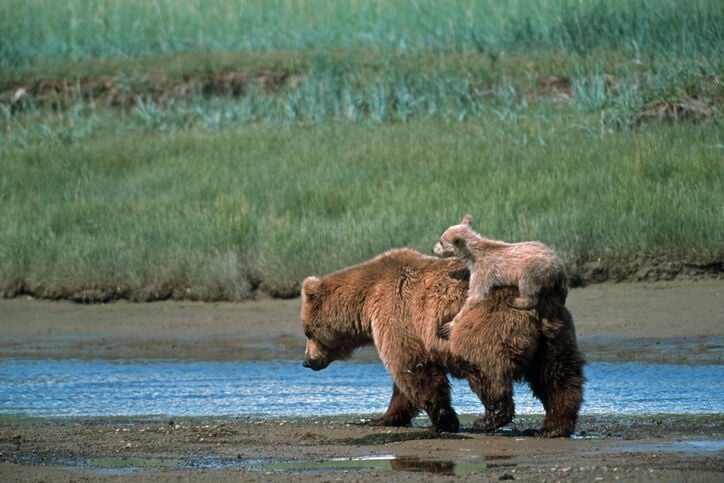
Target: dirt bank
x=663 y=321
x=677 y=322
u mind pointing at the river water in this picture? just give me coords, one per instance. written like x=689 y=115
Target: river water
x=70 y=387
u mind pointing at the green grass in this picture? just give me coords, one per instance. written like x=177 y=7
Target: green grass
x=49 y=31
x=399 y=118
x=216 y=216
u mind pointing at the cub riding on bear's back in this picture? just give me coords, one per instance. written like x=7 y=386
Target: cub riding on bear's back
x=530 y=266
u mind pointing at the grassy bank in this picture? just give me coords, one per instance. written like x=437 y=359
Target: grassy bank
x=207 y=150
x=216 y=216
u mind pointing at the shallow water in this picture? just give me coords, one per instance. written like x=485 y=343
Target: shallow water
x=71 y=387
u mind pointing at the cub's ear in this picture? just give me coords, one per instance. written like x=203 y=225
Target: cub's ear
x=467 y=220
x=459 y=242
x=310 y=286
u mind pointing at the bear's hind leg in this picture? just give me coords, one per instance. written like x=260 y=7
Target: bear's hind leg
x=497 y=397
x=561 y=393
x=399 y=412
x=557 y=377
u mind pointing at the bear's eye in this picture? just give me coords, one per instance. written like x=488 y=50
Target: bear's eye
x=307 y=333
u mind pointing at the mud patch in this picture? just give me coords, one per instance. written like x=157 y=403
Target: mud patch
x=688 y=109
x=386 y=438
x=120 y=93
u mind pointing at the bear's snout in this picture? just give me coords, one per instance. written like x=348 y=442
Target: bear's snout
x=316 y=364
x=314 y=357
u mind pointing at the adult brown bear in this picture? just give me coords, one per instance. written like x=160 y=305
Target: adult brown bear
x=399 y=300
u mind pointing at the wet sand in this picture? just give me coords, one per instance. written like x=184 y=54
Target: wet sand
x=680 y=322
x=677 y=322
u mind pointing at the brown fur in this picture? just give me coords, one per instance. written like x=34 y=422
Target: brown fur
x=531 y=266
x=398 y=301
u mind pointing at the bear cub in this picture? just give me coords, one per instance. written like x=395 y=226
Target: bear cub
x=531 y=266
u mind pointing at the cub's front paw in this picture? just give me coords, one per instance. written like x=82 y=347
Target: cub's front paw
x=444 y=331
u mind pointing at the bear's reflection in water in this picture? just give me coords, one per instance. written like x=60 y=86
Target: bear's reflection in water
x=412 y=463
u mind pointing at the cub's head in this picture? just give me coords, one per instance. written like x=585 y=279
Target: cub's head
x=453 y=242
x=329 y=329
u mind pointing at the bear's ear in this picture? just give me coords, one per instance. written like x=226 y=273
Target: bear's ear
x=310 y=286
x=467 y=220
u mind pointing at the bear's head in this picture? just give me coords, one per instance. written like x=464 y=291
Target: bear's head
x=453 y=242
x=330 y=324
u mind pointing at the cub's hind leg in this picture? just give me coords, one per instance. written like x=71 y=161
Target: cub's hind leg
x=529 y=288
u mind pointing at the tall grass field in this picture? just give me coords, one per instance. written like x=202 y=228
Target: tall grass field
x=216 y=150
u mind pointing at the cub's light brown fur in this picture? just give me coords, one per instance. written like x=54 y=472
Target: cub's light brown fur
x=531 y=266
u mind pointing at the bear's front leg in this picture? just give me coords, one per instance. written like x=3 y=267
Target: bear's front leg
x=428 y=387
x=399 y=412
x=444 y=420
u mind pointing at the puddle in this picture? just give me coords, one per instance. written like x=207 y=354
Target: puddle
x=122 y=465
x=683 y=446
x=68 y=387
x=378 y=462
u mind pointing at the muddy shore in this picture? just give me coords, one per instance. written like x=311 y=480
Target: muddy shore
x=676 y=322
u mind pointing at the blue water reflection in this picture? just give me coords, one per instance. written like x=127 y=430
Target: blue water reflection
x=285 y=388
